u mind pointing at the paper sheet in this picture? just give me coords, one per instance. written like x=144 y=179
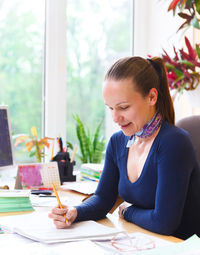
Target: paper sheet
x=84 y=187
x=132 y=242
x=189 y=247
x=39 y=227
x=24 y=246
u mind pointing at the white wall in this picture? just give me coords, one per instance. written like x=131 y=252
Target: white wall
x=154 y=28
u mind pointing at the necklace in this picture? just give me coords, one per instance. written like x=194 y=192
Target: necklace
x=148 y=129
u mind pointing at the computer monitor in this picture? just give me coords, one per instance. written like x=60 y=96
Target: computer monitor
x=6 y=144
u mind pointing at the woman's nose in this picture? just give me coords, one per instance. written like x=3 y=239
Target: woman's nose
x=115 y=116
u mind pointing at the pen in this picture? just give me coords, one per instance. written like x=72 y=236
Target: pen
x=73 y=154
x=58 y=199
x=42 y=195
x=44 y=188
x=52 y=150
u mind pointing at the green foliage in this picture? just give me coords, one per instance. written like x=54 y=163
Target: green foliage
x=91 y=146
x=21 y=65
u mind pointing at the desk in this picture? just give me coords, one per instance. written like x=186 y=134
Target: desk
x=112 y=220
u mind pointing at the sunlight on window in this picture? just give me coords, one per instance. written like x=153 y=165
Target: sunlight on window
x=98 y=33
x=21 y=65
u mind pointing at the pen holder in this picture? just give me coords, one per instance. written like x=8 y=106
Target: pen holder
x=65 y=167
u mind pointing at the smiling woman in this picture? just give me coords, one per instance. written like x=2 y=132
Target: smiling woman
x=127 y=104
x=146 y=156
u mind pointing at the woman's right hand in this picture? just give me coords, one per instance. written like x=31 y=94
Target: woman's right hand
x=59 y=216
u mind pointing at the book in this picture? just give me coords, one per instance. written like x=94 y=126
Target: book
x=90 y=171
x=15 y=201
x=37 y=226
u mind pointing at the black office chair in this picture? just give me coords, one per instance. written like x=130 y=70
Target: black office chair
x=192 y=125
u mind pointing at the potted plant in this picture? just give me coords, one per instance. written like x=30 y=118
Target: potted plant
x=33 y=144
x=183 y=69
x=188 y=10
x=91 y=145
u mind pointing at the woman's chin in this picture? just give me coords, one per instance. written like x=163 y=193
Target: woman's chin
x=126 y=131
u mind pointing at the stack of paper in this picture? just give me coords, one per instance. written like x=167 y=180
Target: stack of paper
x=15 y=201
x=91 y=172
x=84 y=187
x=37 y=226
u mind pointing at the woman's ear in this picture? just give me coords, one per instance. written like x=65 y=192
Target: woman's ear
x=153 y=96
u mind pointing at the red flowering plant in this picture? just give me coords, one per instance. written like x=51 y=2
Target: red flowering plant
x=183 y=70
x=189 y=11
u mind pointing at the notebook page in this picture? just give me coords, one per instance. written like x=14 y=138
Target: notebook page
x=39 y=227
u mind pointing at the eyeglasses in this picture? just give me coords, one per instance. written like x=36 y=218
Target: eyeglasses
x=123 y=242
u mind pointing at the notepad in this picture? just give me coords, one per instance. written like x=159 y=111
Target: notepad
x=34 y=175
x=37 y=226
x=15 y=201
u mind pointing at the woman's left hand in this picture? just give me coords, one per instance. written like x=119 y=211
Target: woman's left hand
x=121 y=207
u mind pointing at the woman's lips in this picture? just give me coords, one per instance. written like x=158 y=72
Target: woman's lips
x=124 y=126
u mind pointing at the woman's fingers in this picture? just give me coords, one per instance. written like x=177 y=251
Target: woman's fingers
x=59 y=216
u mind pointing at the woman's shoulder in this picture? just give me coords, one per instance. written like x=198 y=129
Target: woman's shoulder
x=168 y=129
x=171 y=134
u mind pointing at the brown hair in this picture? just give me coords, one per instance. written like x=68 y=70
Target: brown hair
x=146 y=74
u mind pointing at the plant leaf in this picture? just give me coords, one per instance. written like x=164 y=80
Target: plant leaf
x=188 y=63
x=191 y=51
x=178 y=73
x=83 y=138
x=173 y=5
x=32 y=153
x=197 y=4
x=34 y=131
x=184 y=16
x=69 y=145
x=198 y=50
x=195 y=23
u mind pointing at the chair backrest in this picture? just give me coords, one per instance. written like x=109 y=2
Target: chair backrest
x=192 y=125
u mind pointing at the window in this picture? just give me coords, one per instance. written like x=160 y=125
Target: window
x=98 y=33
x=21 y=63
x=33 y=53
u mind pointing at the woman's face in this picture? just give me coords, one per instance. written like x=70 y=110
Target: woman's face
x=130 y=110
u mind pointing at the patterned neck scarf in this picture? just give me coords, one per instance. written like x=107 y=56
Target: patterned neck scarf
x=148 y=129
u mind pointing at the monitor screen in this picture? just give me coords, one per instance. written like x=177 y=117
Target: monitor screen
x=6 y=146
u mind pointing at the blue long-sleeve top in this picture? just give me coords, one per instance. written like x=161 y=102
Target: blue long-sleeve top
x=165 y=198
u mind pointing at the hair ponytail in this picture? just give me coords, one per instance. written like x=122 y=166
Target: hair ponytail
x=164 y=103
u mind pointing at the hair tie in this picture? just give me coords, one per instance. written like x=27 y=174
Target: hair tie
x=155 y=66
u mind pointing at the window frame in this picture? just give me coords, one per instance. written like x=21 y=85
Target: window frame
x=54 y=87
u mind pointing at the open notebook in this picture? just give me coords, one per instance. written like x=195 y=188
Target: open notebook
x=37 y=226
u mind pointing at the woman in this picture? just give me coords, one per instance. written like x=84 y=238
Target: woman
x=150 y=163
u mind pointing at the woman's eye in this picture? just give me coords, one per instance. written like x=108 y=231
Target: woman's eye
x=124 y=107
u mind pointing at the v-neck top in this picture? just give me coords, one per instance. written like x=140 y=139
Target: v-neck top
x=165 y=198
